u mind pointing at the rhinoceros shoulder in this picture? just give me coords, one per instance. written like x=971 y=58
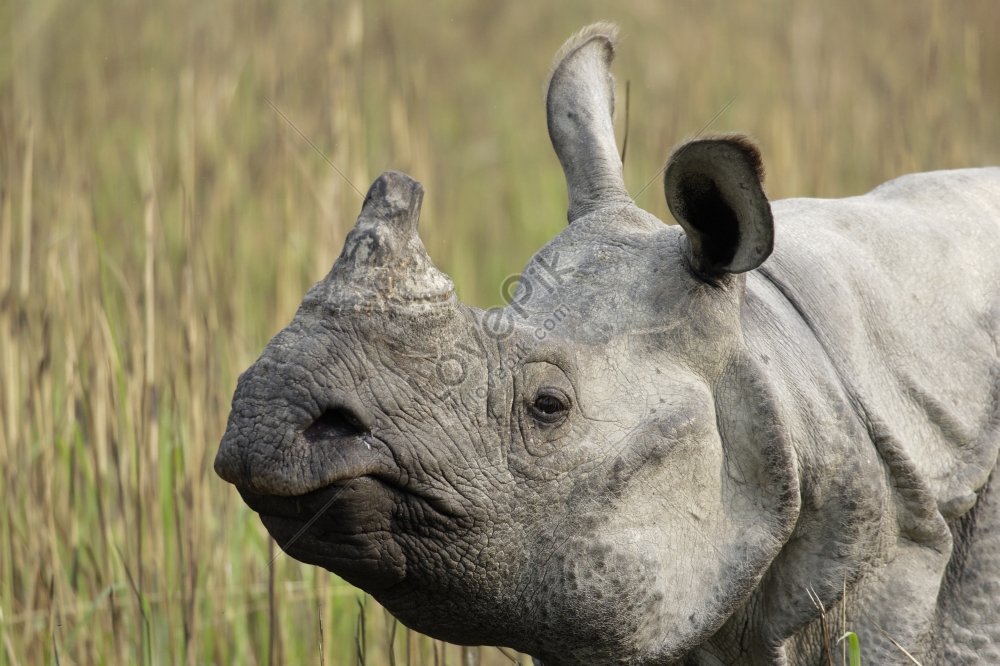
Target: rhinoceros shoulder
x=901 y=289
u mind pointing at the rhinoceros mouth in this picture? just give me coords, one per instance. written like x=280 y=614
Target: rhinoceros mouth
x=352 y=527
x=312 y=506
x=344 y=527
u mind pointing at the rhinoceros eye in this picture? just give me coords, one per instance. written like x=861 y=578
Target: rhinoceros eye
x=550 y=405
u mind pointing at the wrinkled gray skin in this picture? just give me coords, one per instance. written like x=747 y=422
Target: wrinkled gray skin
x=676 y=444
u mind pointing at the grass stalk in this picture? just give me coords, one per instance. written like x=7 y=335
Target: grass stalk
x=27 y=179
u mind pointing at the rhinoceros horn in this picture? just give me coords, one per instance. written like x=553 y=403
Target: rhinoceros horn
x=384 y=265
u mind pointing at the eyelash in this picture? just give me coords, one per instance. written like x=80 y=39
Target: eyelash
x=555 y=410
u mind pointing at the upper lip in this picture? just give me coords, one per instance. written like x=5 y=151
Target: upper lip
x=294 y=507
x=337 y=463
x=305 y=506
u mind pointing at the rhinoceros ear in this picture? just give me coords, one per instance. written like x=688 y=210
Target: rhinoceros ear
x=579 y=105
x=714 y=190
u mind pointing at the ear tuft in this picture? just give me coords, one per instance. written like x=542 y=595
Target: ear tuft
x=714 y=188
x=602 y=30
x=750 y=151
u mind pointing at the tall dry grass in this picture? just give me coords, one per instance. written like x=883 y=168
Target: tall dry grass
x=159 y=220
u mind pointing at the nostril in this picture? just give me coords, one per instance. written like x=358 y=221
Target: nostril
x=334 y=423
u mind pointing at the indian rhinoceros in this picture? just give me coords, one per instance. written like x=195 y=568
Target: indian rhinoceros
x=723 y=442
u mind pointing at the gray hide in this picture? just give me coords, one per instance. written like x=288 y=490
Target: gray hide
x=708 y=443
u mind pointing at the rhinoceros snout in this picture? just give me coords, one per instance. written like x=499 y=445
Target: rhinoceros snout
x=289 y=435
x=337 y=424
x=228 y=465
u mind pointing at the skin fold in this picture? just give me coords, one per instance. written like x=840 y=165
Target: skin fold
x=726 y=441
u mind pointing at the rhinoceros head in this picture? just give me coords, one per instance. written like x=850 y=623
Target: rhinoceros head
x=580 y=475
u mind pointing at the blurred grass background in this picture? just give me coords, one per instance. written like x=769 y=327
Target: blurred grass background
x=160 y=220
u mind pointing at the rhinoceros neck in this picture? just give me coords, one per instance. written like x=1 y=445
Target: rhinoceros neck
x=856 y=345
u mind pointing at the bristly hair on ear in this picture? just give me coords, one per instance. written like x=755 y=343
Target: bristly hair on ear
x=602 y=29
x=747 y=145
